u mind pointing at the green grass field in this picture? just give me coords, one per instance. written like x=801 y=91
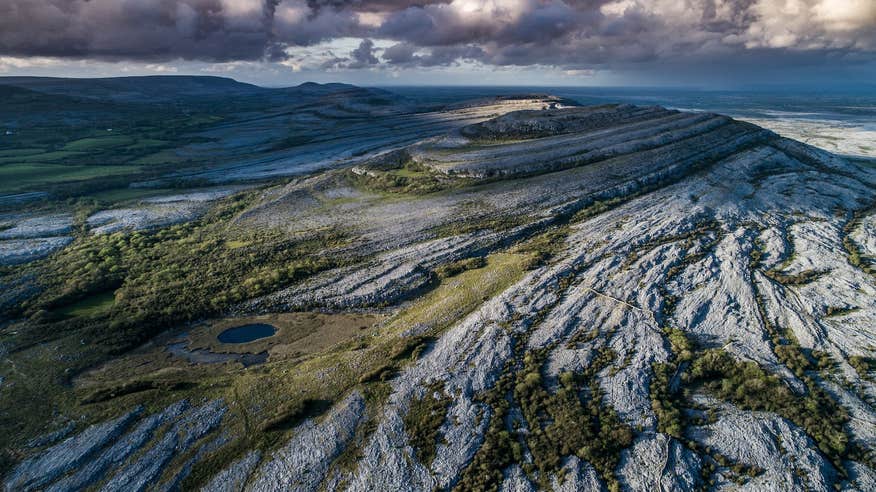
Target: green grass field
x=25 y=177
x=20 y=152
x=90 y=306
x=99 y=143
x=53 y=156
x=158 y=158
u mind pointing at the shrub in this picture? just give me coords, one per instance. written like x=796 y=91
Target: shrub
x=424 y=419
x=863 y=365
x=455 y=268
x=746 y=384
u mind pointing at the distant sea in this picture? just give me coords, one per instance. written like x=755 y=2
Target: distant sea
x=840 y=123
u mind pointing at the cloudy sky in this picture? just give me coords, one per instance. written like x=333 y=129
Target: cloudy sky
x=707 y=43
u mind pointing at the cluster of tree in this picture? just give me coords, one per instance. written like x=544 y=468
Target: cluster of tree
x=749 y=386
x=454 y=268
x=857 y=258
x=801 y=278
x=573 y=420
x=180 y=273
x=501 y=447
x=544 y=246
x=424 y=419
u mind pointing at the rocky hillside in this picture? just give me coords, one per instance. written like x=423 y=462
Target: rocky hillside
x=591 y=298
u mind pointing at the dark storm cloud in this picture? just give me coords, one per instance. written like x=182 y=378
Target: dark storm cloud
x=370 y=5
x=406 y=55
x=571 y=34
x=135 y=29
x=363 y=56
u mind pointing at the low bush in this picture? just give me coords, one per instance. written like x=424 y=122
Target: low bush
x=424 y=419
x=801 y=278
x=863 y=365
x=455 y=268
x=293 y=412
x=746 y=384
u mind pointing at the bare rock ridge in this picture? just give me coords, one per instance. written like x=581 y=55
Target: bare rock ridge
x=698 y=324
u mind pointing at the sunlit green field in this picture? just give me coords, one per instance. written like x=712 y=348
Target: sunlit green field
x=25 y=177
x=90 y=306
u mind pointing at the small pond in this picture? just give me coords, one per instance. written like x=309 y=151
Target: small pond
x=247 y=333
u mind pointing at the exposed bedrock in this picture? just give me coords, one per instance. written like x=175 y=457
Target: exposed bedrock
x=131 y=450
x=69 y=454
x=785 y=454
x=682 y=236
x=156 y=212
x=694 y=240
x=303 y=463
x=17 y=251
x=740 y=231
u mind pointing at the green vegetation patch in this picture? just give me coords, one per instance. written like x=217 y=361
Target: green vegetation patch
x=864 y=366
x=398 y=173
x=573 y=420
x=801 y=278
x=545 y=246
x=459 y=295
x=455 y=268
x=51 y=156
x=91 y=305
x=127 y=194
x=749 y=386
x=20 y=152
x=20 y=177
x=298 y=334
x=289 y=415
x=424 y=419
x=98 y=143
x=857 y=257
x=177 y=274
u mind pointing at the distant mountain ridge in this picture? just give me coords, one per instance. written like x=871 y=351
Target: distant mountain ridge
x=166 y=88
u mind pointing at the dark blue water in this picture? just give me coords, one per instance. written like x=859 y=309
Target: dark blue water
x=247 y=333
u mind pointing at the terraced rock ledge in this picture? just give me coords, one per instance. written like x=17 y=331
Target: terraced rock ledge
x=573 y=298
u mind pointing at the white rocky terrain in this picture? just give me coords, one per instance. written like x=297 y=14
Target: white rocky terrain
x=156 y=212
x=695 y=309
x=835 y=136
x=26 y=238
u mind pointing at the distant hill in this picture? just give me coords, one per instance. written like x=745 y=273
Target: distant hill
x=182 y=88
x=136 y=89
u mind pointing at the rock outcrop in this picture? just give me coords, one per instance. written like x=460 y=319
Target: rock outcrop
x=698 y=317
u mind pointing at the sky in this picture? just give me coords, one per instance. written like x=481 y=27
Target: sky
x=722 y=44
